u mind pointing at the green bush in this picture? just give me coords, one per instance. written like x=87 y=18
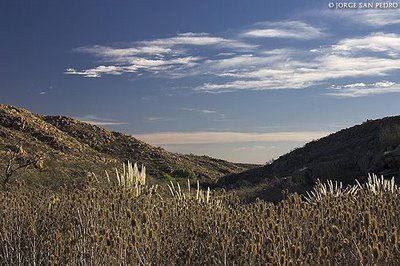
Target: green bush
x=184 y=174
x=168 y=177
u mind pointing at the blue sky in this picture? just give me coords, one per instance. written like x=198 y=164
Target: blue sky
x=240 y=80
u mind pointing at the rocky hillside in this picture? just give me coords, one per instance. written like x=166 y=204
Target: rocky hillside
x=73 y=148
x=352 y=153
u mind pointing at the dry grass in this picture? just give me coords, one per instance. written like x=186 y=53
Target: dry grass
x=111 y=225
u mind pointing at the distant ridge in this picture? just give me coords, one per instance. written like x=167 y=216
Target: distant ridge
x=73 y=148
x=352 y=153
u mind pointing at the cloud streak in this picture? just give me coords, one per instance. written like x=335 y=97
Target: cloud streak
x=369 y=56
x=153 y=119
x=241 y=62
x=362 y=89
x=187 y=53
x=155 y=56
x=99 y=121
x=373 y=18
x=285 y=29
x=202 y=137
x=205 y=112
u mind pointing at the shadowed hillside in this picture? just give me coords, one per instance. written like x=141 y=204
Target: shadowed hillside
x=72 y=148
x=352 y=153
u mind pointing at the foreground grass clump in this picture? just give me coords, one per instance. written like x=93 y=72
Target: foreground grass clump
x=113 y=225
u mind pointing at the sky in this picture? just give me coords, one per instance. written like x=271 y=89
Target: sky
x=245 y=81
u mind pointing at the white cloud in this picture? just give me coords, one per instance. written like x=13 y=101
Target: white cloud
x=203 y=111
x=198 y=39
x=99 y=121
x=373 y=18
x=388 y=43
x=154 y=56
x=158 y=119
x=374 y=55
x=218 y=115
x=106 y=51
x=285 y=29
x=96 y=72
x=253 y=148
x=234 y=64
x=227 y=137
x=362 y=89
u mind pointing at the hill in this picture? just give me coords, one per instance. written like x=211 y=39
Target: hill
x=352 y=153
x=72 y=148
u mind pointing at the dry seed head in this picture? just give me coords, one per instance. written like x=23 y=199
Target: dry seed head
x=335 y=229
x=282 y=260
x=376 y=253
x=293 y=249
x=145 y=217
x=39 y=164
x=367 y=218
x=133 y=223
x=298 y=250
x=326 y=252
x=374 y=224
x=374 y=237
x=21 y=150
x=276 y=229
x=394 y=237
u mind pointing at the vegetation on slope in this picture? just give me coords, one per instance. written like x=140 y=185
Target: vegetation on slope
x=349 y=154
x=71 y=148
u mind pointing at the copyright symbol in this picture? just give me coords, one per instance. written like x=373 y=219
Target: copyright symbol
x=331 y=5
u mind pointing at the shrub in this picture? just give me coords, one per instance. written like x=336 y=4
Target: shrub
x=18 y=161
x=184 y=174
x=168 y=177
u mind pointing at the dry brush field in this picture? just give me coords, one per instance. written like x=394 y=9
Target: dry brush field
x=108 y=224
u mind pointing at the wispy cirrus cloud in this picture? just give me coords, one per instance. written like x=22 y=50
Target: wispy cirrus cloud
x=203 y=137
x=374 y=17
x=96 y=72
x=99 y=121
x=388 y=43
x=183 y=54
x=198 y=39
x=241 y=62
x=363 y=89
x=284 y=29
x=253 y=148
x=154 y=56
x=205 y=111
x=152 y=119
x=373 y=55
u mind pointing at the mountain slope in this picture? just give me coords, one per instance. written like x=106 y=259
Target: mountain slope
x=73 y=148
x=372 y=147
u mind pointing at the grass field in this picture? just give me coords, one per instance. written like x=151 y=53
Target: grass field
x=110 y=224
